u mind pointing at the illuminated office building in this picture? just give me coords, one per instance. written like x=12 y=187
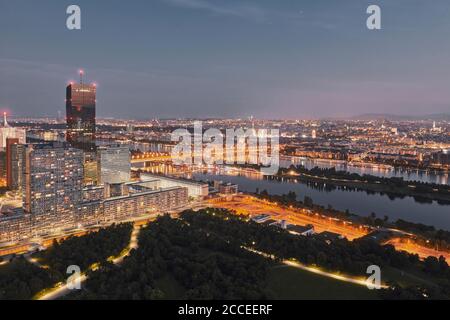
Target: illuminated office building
x=113 y=164
x=80 y=114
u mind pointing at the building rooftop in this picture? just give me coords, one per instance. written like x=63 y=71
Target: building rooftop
x=299 y=229
x=269 y=222
x=330 y=235
x=176 y=179
x=131 y=195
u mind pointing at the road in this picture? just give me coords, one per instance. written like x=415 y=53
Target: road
x=248 y=205
x=411 y=247
x=63 y=288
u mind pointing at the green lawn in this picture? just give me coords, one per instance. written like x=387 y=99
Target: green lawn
x=407 y=278
x=289 y=283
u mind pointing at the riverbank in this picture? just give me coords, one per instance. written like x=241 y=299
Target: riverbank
x=325 y=220
x=392 y=191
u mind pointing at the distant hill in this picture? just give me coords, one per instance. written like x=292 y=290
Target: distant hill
x=394 y=117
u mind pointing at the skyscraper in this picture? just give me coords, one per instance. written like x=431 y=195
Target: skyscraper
x=80 y=114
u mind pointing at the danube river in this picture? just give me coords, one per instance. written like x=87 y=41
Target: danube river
x=358 y=202
x=375 y=170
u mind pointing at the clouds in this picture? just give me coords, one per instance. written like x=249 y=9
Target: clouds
x=246 y=11
x=31 y=88
x=202 y=58
x=264 y=12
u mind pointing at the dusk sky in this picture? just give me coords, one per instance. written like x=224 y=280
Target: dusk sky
x=228 y=58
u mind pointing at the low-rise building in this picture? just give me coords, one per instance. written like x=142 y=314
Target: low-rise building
x=261 y=218
x=301 y=230
x=330 y=237
x=226 y=188
x=196 y=190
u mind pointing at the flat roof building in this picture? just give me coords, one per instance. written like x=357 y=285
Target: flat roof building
x=195 y=189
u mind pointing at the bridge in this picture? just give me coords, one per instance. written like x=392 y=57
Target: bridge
x=150 y=157
x=165 y=157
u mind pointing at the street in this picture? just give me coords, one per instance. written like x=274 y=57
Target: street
x=247 y=205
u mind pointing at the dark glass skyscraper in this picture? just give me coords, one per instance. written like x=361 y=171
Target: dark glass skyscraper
x=80 y=113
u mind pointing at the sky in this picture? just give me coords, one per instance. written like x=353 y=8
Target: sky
x=227 y=58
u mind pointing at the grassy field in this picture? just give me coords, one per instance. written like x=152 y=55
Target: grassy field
x=408 y=278
x=289 y=283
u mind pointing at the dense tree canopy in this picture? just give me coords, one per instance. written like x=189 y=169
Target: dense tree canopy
x=21 y=279
x=86 y=250
x=203 y=255
x=200 y=264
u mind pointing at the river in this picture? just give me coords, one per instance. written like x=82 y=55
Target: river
x=358 y=202
x=375 y=170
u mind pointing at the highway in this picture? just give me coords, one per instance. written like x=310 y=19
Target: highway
x=411 y=247
x=248 y=205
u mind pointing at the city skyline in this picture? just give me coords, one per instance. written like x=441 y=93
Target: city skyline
x=226 y=150
x=200 y=59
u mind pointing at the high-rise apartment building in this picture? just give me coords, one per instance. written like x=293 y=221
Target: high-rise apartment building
x=80 y=114
x=15 y=165
x=52 y=179
x=10 y=142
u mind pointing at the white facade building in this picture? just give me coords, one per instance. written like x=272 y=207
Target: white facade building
x=6 y=131
x=195 y=189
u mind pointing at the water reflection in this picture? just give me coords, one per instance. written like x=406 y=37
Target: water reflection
x=375 y=170
x=357 y=201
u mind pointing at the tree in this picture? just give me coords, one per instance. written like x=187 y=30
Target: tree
x=308 y=202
